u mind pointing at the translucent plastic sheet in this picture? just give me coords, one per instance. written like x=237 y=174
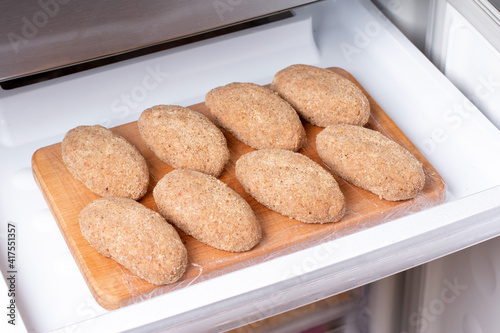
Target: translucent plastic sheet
x=113 y=286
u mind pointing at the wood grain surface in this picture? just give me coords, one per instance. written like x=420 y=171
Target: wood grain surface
x=113 y=286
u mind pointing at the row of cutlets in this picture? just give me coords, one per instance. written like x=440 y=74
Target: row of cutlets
x=192 y=197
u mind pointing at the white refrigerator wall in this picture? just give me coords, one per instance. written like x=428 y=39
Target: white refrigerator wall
x=459 y=292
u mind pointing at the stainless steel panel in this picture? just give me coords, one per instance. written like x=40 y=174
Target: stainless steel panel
x=47 y=34
x=495 y=3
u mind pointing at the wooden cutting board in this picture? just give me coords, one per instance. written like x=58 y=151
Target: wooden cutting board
x=113 y=286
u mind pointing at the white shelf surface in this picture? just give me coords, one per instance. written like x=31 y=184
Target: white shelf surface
x=453 y=135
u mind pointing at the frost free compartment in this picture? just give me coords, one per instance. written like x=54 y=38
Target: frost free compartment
x=450 y=132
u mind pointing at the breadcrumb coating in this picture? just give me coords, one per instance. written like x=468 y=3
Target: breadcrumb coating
x=136 y=237
x=105 y=162
x=369 y=160
x=291 y=184
x=322 y=97
x=207 y=209
x=184 y=139
x=256 y=116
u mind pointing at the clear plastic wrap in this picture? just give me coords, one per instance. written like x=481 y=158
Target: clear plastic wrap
x=113 y=286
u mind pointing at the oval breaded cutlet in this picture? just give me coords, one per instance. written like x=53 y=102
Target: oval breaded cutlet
x=136 y=237
x=207 y=209
x=105 y=162
x=369 y=160
x=321 y=96
x=184 y=138
x=256 y=116
x=291 y=184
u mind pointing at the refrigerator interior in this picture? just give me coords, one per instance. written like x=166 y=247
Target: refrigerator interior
x=459 y=292
x=451 y=132
x=456 y=293
x=466 y=47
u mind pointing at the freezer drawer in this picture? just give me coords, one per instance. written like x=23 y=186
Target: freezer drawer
x=451 y=133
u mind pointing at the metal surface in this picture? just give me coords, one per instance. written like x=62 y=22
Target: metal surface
x=495 y=3
x=41 y=35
